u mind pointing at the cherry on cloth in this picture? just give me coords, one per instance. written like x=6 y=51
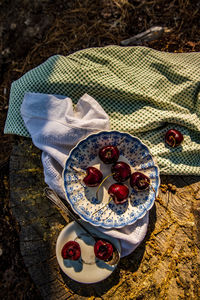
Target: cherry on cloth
x=173 y=137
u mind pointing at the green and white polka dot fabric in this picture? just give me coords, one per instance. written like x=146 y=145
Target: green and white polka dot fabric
x=145 y=92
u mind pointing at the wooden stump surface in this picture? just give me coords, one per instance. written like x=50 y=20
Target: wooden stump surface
x=165 y=266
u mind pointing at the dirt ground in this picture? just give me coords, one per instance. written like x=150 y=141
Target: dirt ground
x=32 y=31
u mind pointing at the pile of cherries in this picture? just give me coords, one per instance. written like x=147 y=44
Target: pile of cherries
x=120 y=171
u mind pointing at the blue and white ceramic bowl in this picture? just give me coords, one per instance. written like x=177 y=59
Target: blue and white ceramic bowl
x=83 y=199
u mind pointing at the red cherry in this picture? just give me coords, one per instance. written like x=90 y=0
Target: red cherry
x=93 y=177
x=121 y=171
x=71 y=250
x=119 y=193
x=139 y=181
x=103 y=250
x=109 y=154
x=173 y=137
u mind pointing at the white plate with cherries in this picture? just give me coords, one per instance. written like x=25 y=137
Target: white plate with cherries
x=111 y=179
x=83 y=259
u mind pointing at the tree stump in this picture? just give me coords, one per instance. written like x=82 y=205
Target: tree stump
x=164 y=266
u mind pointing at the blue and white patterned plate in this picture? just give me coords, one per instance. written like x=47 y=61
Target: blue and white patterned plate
x=83 y=199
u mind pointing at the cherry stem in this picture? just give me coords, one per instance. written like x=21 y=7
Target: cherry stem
x=152 y=188
x=102 y=183
x=174 y=141
x=145 y=180
x=121 y=141
x=78 y=171
x=110 y=199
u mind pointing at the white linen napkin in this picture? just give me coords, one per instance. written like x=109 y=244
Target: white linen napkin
x=55 y=128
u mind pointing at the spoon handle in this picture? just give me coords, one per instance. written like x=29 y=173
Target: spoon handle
x=58 y=202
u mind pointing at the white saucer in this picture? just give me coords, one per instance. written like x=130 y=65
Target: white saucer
x=88 y=269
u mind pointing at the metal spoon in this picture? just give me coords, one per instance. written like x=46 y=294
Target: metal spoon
x=51 y=195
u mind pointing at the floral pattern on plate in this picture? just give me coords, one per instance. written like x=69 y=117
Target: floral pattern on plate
x=102 y=211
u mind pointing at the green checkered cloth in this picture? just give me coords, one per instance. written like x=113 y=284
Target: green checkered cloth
x=145 y=92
